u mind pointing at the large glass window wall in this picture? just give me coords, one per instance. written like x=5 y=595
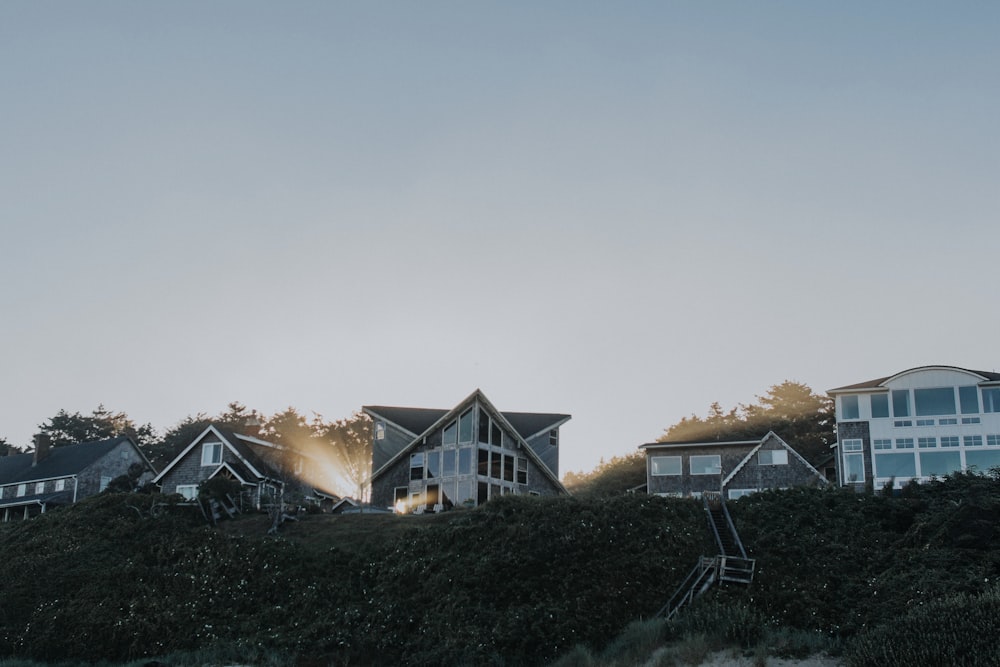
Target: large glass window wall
x=477 y=460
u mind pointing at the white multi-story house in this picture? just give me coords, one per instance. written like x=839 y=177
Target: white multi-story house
x=918 y=424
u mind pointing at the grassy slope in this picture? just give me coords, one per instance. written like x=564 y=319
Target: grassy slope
x=518 y=581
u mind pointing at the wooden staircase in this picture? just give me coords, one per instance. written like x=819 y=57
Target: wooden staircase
x=730 y=565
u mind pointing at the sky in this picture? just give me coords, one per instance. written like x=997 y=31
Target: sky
x=621 y=211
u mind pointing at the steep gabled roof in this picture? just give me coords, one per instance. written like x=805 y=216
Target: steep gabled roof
x=236 y=443
x=415 y=418
x=419 y=420
x=878 y=383
x=59 y=462
x=752 y=452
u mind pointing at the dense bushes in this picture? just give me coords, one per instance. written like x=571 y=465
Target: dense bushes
x=519 y=580
x=896 y=580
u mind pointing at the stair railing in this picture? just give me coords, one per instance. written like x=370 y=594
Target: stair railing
x=697 y=581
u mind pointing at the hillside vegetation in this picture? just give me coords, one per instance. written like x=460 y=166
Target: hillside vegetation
x=519 y=581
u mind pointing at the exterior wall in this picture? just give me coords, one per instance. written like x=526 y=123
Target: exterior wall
x=190 y=471
x=854 y=431
x=472 y=485
x=113 y=464
x=754 y=476
x=547 y=452
x=899 y=456
x=395 y=441
x=686 y=484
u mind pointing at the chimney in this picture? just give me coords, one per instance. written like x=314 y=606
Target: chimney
x=252 y=426
x=43 y=443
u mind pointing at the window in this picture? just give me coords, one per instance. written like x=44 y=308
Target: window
x=969 y=441
x=903 y=422
x=40 y=487
x=854 y=467
x=926 y=443
x=105 y=480
x=849 y=407
x=970 y=420
x=465 y=426
x=982 y=460
x=925 y=422
x=739 y=493
x=882 y=443
x=895 y=465
x=880 y=405
x=852 y=445
x=417 y=466
x=522 y=470
x=465 y=461
x=665 y=465
x=939 y=463
x=900 y=402
x=968 y=398
x=772 y=457
x=496 y=462
x=508 y=468
x=484 y=427
x=211 y=454
x=904 y=443
x=709 y=464
x=993 y=440
x=484 y=462
x=448 y=462
x=380 y=430
x=450 y=434
x=950 y=441
x=189 y=491
x=949 y=421
x=433 y=464
x=400 y=495
x=936 y=401
x=554 y=437
x=991 y=399
x=60 y=484
x=21 y=489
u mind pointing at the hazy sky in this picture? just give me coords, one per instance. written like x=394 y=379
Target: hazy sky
x=619 y=210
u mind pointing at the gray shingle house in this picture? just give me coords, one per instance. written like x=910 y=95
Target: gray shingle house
x=263 y=469
x=734 y=468
x=49 y=477
x=430 y=460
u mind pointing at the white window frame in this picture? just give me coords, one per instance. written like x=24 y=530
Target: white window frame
x=653 y=465
x=105 y=480
x=39 y=488
x=861 y=457
x=775 y=457
x=60 y=485
x=380 y=430
x=21 y=490
x=710 y=470
x=739 y=493
x=206 y=456
x=188 y=491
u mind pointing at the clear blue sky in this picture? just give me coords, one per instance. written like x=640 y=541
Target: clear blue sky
x=623 y=211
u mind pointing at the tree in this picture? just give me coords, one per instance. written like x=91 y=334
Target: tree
x=350 y=442
x=800 y=417
x=7 y=449
x=69 y=429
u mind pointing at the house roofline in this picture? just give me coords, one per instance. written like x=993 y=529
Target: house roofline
x=457 y=410
x=877 y=384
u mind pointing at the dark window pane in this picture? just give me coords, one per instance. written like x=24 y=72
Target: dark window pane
x=483 y=493
x=495 y=464
x=880 y=405
x=849 y=407
x=433 y=496
x=484 y=462
x=497 y=435
x=937 y=401
x=450 y=433
x=508 y=468
x=433 y=464
x=465 y=461
x=969 y=398
x=465 y=426
x=900 y=402
x=484 y=427
x=448 y=462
